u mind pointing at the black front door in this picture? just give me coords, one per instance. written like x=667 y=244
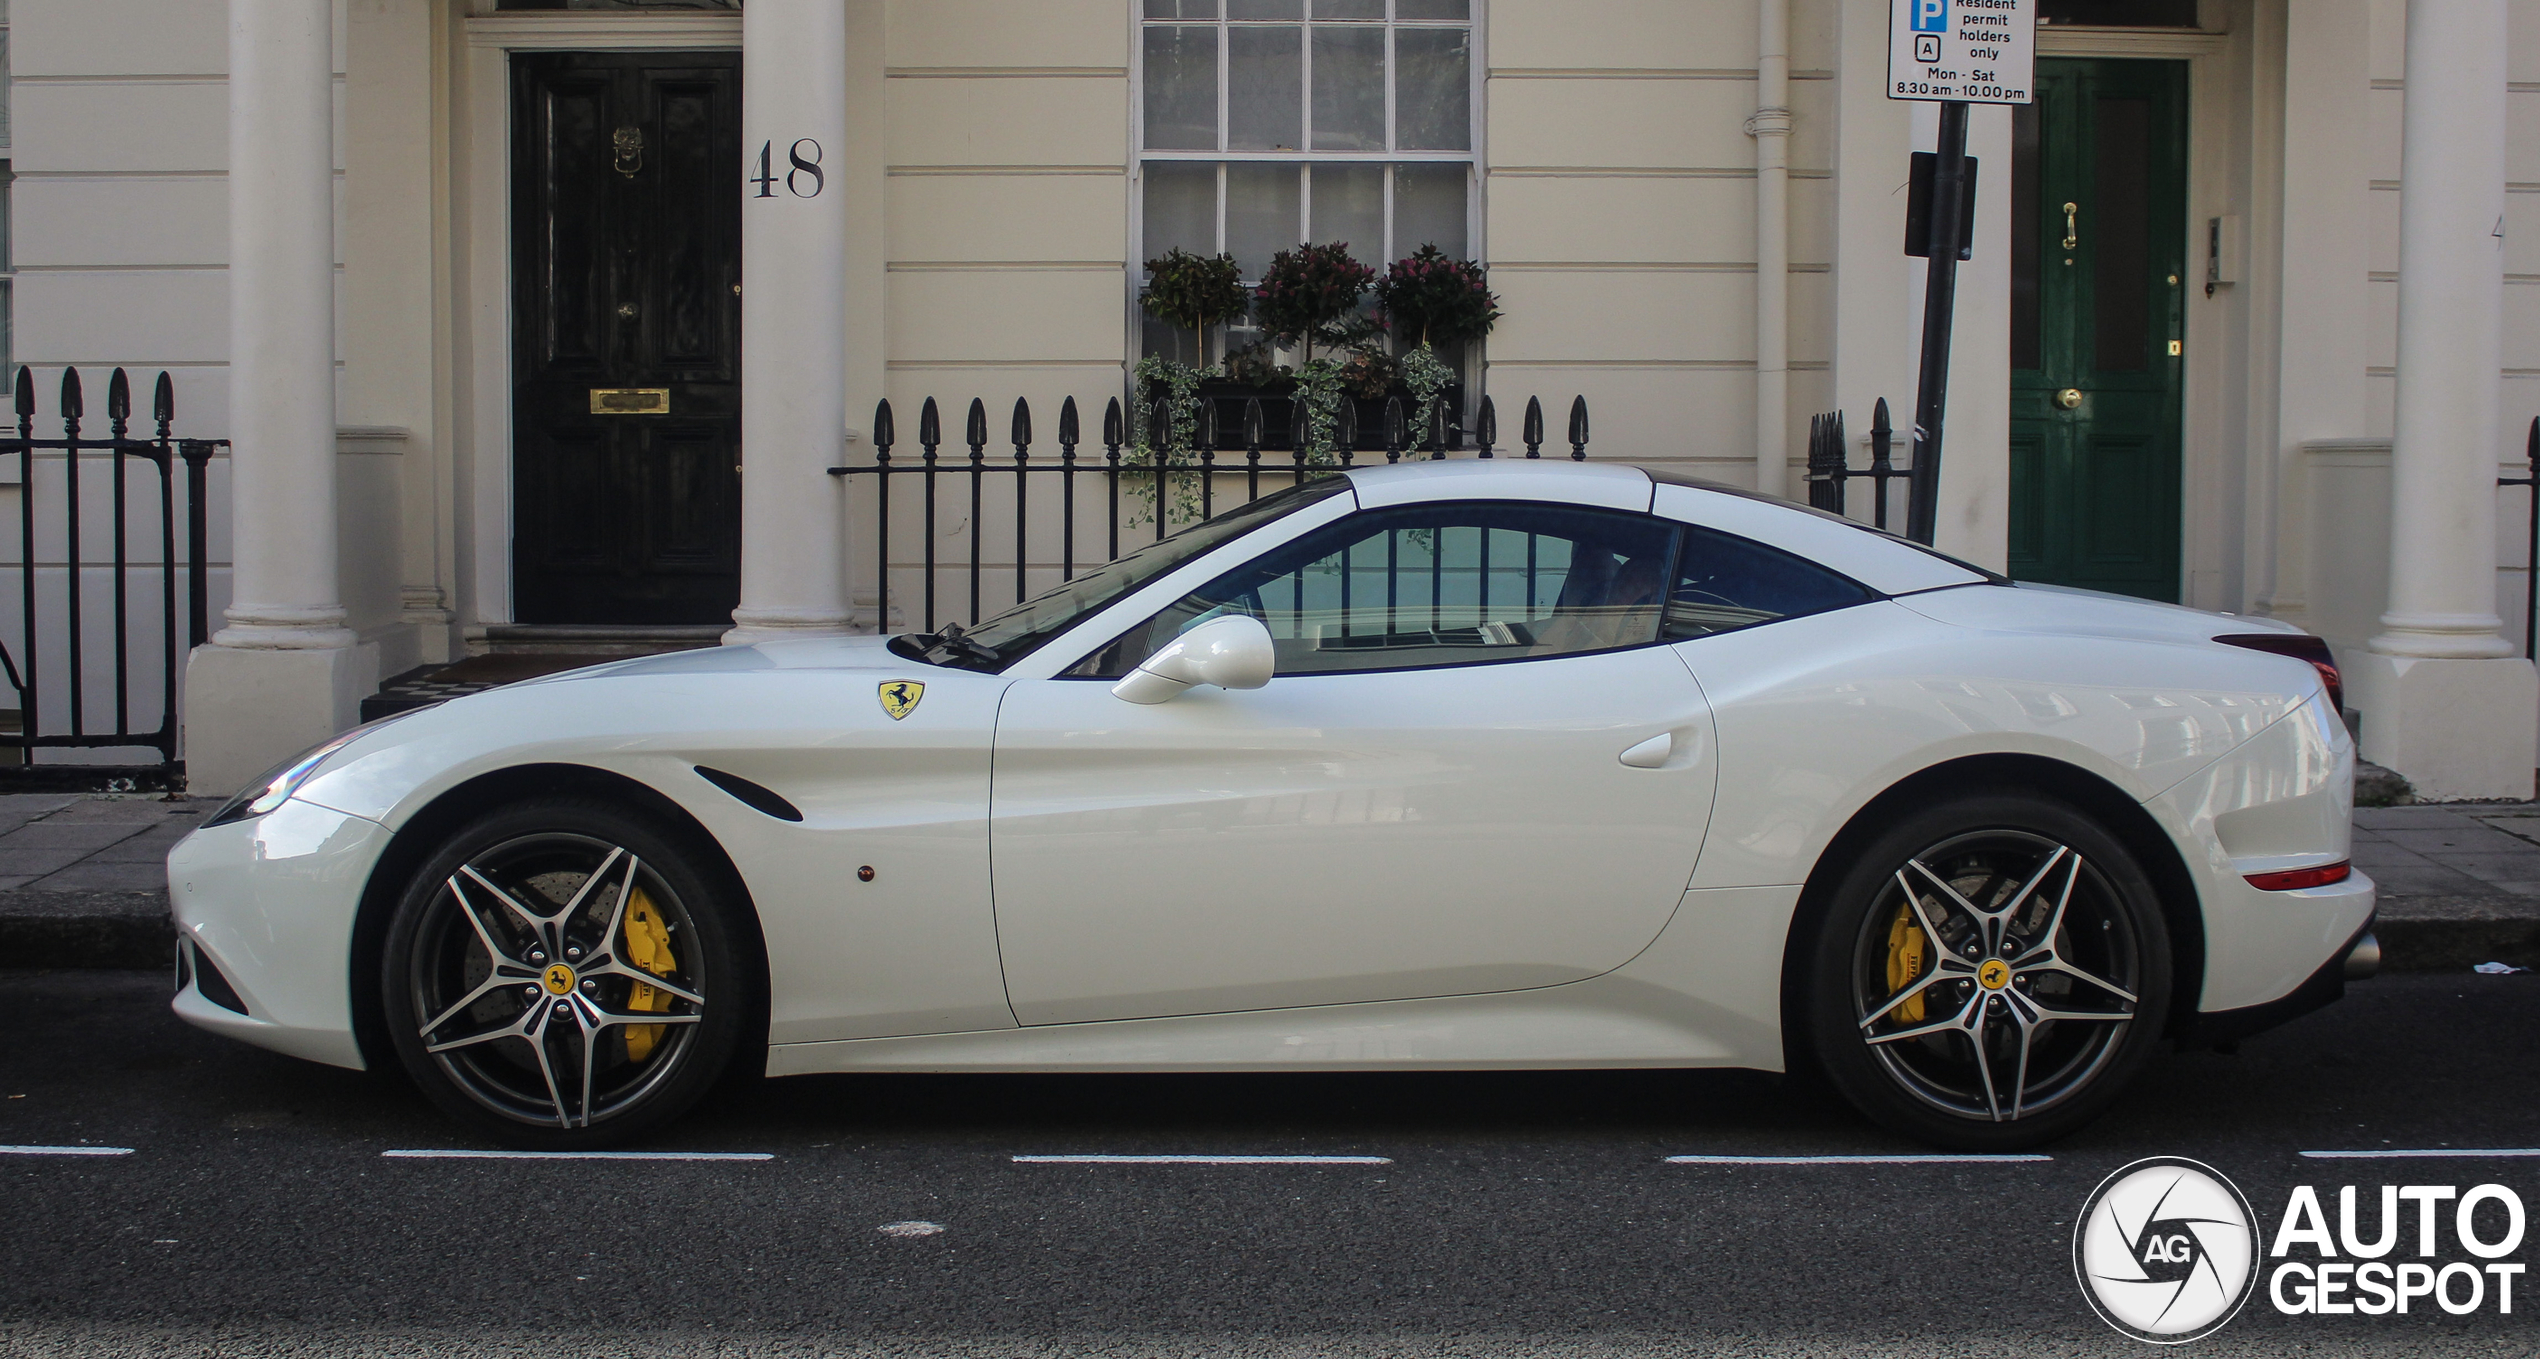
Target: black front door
x=626 y=397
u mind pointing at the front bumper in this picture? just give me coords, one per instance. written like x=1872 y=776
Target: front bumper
x=269 y=903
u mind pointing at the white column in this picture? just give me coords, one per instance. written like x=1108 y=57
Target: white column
x=793 y=319
x=280 y=676
x=2445 y=699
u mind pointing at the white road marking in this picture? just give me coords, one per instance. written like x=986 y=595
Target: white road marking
x=65 y=1151
x=910 y=1228
x=1206 y=1160
x=2421 y=1154
x=1925 y=1160
x=428 y=1154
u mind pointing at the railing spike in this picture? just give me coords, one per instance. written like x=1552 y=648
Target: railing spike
x=1207 y=440
x=1437 y=430
x=1345 y=429
x=930 y=425
x=1578 y=429
x=72 y=406
x=1111 y=424
x=885 y=432
x=1486 y=427
x=1252 y=425
x=975 y=429
x=163 y=399
x=1393 y=429
x=26 y=393
x=119 y=396
x=1067 y=422
x=1022 y=425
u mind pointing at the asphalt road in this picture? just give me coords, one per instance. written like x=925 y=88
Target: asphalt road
x=1528 y=1214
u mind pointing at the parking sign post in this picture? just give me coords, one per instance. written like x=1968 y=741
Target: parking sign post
x=1953 y=53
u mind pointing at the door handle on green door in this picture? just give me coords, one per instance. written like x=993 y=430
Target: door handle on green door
x=2069 y=398
x=2072 y=229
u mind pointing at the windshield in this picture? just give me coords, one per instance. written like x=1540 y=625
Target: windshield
x=997 y=642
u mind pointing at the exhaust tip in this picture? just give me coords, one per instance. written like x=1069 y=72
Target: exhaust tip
x=2364 y=959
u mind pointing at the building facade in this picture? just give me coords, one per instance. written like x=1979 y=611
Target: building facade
x=2250 y=322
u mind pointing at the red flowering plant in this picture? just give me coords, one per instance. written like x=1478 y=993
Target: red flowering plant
x=1307 y=290
x=1432 y=298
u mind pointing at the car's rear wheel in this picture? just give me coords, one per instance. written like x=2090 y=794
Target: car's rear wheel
x=564 y=973
x=1990 y=973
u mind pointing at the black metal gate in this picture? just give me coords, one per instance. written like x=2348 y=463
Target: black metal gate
x=97 y=553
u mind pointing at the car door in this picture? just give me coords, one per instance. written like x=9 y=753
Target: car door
x=1476 y=769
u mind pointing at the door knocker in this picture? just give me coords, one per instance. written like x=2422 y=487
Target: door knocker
x=629 y=145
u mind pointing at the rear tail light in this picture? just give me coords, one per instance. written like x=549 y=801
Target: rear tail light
x=2295 y=879
x=2301 y=647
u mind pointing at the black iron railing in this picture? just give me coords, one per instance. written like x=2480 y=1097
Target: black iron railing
x=2530 y=542
x=54 y=666
x=1183 y=486
x=1830 y=463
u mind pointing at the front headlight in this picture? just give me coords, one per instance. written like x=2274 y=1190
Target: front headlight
x=276 y=785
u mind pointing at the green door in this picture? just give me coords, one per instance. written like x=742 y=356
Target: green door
x=2098 y=296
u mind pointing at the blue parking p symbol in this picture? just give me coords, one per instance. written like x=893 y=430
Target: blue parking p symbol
x=1930 y=16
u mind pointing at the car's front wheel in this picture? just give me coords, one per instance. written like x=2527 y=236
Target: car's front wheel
x=1990 y=972
x=564 y=973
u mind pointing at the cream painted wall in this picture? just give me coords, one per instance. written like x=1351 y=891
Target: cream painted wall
x=1619 y=216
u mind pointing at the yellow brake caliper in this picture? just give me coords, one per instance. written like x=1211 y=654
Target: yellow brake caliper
x=648 y=947
x=1905 y=947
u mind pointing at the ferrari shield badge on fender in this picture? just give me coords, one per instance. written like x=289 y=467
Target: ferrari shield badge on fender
x=899 y=697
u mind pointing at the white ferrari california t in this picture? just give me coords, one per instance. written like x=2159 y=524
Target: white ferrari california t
x=1476 y=764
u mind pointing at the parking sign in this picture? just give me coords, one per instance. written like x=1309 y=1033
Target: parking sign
x=1970 y=51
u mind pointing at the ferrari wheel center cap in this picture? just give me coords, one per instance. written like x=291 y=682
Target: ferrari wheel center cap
x=559 y=980
x=1995 y=974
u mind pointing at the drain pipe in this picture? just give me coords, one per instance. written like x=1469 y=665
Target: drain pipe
x=1770 y=127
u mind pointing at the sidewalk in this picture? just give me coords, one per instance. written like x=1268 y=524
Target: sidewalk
x=83 y=880
x=2460 y=882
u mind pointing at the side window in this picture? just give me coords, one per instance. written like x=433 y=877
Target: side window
x=1433 y=585
x=1724 y=583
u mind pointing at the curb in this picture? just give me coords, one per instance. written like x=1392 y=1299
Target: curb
x=86 y=929
x=132 y=930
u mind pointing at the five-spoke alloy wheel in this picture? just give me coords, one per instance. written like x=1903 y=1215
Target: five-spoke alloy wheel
x=1989 y=973
x=563 y=974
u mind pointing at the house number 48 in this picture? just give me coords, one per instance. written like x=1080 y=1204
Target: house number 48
x=802 y=181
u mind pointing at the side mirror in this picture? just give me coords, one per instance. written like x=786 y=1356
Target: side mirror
x=1233 y=652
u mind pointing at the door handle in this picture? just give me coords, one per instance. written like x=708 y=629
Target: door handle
x=2072 y=227
x=1652 y=753
x=2069 y=398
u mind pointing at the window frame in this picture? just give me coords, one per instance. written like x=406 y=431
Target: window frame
x=1472 y=158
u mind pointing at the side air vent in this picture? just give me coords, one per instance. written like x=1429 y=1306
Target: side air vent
x=751 y=795
x=213 y=986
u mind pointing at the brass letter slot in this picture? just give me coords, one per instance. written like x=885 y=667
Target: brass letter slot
x=630 y=401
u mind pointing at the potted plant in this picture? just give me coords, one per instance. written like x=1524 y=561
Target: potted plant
x=1431 y=300
x=1306 y=293
x=1193 y=292
x=1434 y=299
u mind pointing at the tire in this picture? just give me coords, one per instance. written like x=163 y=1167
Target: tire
x=2034 y=1032
x=522 y=954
